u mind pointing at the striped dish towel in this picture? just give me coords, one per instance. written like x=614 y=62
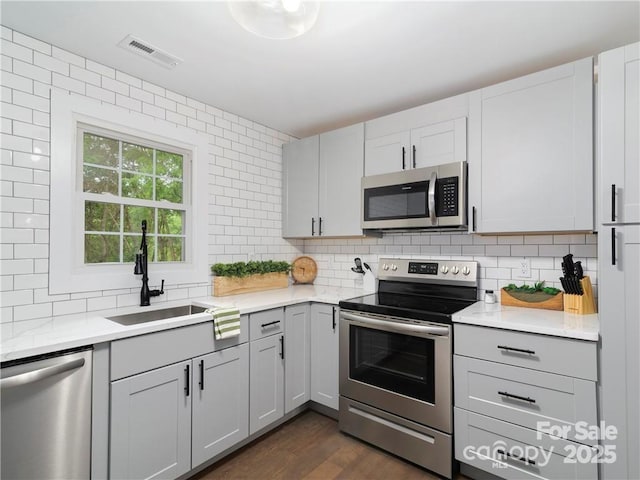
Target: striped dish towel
x=226 y=322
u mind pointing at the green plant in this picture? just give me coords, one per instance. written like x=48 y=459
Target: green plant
x=244 y=269
x=537 y=287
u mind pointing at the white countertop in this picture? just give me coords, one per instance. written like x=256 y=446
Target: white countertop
x=532 y=320
x=46 y=335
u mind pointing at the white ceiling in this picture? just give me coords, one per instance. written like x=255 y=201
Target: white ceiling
x=361 y=60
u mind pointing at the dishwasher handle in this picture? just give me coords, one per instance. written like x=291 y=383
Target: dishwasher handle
x=40 y=373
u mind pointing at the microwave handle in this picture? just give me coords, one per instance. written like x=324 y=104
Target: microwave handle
x=431 y=194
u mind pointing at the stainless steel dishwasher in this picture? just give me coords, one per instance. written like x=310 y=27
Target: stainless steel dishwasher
x=46 y=417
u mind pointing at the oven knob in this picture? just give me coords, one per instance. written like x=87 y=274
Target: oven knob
x=385 y=267
x=455 y=270
x=394 y=267
x=444 y=269
x=466 y=270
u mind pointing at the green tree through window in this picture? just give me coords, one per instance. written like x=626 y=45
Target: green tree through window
x=124 y=182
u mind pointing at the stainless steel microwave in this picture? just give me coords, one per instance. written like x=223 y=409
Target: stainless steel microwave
x=430 y=197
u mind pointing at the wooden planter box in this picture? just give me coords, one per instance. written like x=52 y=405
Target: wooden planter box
x=531 y=300
x=223 y=286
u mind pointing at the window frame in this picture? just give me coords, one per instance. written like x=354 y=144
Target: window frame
x=120 y=200
x=66 y=273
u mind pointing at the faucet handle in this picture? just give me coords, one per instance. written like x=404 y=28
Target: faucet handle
x=162 y=287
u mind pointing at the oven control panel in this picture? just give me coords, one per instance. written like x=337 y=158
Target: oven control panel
x=435 y=271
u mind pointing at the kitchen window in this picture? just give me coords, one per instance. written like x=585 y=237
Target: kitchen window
x=111 y=169
x=126 y=180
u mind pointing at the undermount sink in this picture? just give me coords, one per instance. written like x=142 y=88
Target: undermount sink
x=153 y=315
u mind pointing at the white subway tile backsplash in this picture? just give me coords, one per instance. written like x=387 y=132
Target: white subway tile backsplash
x=69 y=307
x=32 y=43
x=31 y=71
x=28 y=312
x=18 y=82
x=67 y=83
x=68 y=57
x=15 y=50
x=50 y=63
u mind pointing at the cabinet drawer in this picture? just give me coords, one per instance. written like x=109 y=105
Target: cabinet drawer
x=483 y=442
x=575 y=358
x=524 y=397
x=263 y=324
x=133 y=355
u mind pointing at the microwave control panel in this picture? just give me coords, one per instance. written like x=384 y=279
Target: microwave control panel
x=447 y=197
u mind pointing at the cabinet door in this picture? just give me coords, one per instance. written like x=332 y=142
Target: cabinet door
x=324 y=355
x=151 y=424
x=220 y=402
x=300 y=192
x=531 y=154
x=266 y=382
x=387 y=154
x=297 y=382
x=341 y=169
x=444 y=142
x=619 y=310
x=619 y=128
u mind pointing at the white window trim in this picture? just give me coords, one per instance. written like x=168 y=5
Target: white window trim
x=65 y=274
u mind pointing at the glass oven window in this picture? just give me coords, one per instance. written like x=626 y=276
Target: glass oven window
x=399 y=363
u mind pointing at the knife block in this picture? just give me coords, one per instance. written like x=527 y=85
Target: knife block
x=581 y=304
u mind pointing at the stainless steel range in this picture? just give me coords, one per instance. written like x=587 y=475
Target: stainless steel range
x=396 y=356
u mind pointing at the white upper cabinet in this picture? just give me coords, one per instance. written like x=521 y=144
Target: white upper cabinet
x=619 y=130
x=321 y=180
x=341 y=166
x=531 y=152
x=300 y=192
x=424 y=136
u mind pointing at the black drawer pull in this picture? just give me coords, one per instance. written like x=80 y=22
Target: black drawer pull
x=187 y=380
x=613 y=202
x=613 y=246
x=201 y=374
x=282 y=347
x=403 y=164
x=334 y=318
x=264 y=325
x=517 y=397
x=522 y=459
x=513 y=349
x=313 y=226
x=414 y=156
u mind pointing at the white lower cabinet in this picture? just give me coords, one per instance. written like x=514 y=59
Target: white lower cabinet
x=266 y=391
x=151 y=424
x=297 y=369
x=220 y=402
x=324 y=355
x=519 y=411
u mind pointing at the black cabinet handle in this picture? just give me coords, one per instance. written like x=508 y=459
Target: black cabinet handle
x=282 y=347
x=264 y=325
x=403 y=164
x=522 y=459
x=187 y=381
x=313 y=226
x=513 y=349
x=613 y=202
x=201 y=374
x=334 y=318
x=613 y=246
x=517 y=397
x=473 y=219
x=414 y=156
x=320 y=226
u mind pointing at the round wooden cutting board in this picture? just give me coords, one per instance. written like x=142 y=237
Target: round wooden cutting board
x=304 y=270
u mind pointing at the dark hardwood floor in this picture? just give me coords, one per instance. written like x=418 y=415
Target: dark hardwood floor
x=311 y=447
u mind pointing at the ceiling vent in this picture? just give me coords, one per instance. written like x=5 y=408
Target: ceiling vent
x=148 y=51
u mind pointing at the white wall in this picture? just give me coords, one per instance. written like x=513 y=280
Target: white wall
x=244 y=176
x=244 y=194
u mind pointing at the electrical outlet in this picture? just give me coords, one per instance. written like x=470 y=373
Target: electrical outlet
x=523 y=269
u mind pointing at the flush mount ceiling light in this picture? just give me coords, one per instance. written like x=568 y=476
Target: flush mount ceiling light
x=275 y=19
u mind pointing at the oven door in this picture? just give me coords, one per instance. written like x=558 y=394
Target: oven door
x=397 y=365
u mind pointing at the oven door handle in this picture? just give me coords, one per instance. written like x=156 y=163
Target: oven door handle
x=398 y=327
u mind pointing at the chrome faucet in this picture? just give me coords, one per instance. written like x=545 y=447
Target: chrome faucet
x=141 y=268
